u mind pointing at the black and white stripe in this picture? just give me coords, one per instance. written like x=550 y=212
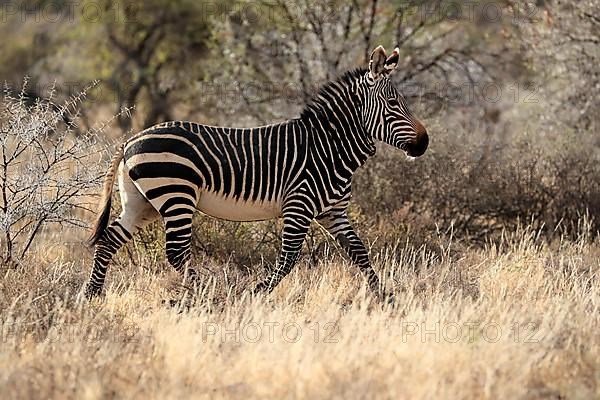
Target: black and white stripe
x=300 y=170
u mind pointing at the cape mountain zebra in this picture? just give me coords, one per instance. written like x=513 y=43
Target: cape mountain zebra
x=300 y=170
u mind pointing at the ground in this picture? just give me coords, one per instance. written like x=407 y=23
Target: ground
x=519 y=319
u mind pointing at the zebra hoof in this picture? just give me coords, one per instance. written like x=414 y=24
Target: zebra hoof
x=179 y=305
x=92 y=292
x=173 y=303
x=390 y=299
x=262 y=287
x=387 y=300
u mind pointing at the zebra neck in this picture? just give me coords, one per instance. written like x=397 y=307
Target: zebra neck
x=338 y=150
x=335 y=119
x=338 y=136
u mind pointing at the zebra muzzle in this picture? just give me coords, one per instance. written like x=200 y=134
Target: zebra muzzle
x=418 y=145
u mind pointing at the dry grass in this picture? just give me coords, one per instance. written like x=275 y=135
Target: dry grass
x=515 y=320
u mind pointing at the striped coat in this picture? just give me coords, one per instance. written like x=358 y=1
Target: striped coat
x=299 y=170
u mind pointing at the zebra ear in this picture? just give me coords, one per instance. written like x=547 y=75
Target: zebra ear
x=392 y=61
x=377 y=63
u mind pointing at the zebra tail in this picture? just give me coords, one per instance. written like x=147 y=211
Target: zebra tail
x=104 y=205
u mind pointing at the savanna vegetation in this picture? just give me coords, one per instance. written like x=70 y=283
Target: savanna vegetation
x=490 y=241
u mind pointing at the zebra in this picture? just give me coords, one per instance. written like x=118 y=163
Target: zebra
x=299 y=170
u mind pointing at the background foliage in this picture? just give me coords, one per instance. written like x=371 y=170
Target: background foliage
x=508 y=91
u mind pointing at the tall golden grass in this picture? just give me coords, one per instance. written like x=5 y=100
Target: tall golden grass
x=520 y=319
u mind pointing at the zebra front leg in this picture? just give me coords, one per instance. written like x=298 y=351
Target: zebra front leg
x=294 y=231
x=337 y=224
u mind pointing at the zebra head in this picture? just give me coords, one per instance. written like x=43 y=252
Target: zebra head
x=385 y=111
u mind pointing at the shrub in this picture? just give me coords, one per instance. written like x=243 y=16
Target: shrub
x=46 y=172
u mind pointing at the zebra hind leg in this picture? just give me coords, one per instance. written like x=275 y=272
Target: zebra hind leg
x=114 y=237
x=137 y=212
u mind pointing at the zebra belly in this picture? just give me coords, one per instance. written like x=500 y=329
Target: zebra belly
x=219 y=206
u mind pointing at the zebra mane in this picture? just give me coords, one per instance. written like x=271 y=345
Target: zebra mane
x=316 y=106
